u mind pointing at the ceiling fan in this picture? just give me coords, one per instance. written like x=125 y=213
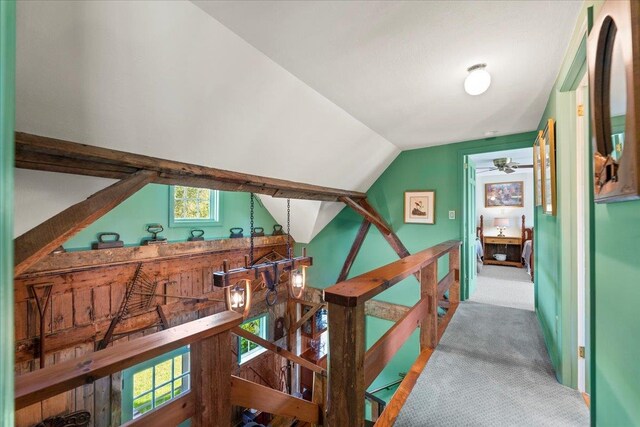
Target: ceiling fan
x=504 y=164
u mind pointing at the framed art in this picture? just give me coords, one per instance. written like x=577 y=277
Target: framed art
x=419 y=207
x=548 y=155
x=504 y=194
x=537 y=171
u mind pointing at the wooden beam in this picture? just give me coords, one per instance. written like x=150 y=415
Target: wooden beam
x=307 y=316
x=391 y=237
x=43 y=239
x=346 y=359
x=49 y=154
x=367 y=215
x=251 y=395
x=355 y=248
x=386 y=347
x=445 y=284
x=319 y=395
x=429 y=293
x=444 y=322
x=231 y=277
x=366 y=286
x=278 y=350
x=48 y=382
x=390 y=414
x=211 y=380
x=385 y=310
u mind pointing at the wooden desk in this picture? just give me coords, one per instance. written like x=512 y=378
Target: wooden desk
x=511 y=246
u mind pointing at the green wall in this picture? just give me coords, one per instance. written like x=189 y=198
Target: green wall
x=435 y=168
x=7 y=121
x=151 y=205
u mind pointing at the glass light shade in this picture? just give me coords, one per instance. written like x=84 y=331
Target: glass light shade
x=297 y=279
x=237 y=297
x=477 y=82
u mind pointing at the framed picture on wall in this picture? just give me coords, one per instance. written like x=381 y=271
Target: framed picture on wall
x=504 y=194
x=548 y=154
x=419 y=207
x=537 y=170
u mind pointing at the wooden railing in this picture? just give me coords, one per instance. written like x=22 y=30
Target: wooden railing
x=213 y=389
x=351 y=367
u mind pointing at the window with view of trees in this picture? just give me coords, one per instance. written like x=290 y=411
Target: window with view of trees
x=154 y=382
x=247 y=350
x=193 y=206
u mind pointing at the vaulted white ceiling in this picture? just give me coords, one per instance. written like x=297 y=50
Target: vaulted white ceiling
x=326 y=93
x=399 y=66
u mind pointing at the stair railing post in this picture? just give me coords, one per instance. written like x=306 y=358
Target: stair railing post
x=429 y=291
x=454 y=265
x=211 y=381
x=346 y=366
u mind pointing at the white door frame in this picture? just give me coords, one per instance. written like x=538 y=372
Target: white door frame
x=582 y=221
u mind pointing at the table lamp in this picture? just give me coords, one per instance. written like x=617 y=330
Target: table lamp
x=501 y=224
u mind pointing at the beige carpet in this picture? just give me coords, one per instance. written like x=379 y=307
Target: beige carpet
x=504 y=286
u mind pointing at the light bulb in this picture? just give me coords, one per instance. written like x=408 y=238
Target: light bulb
x=297 y=279
x=478 y=80
x=237 y=298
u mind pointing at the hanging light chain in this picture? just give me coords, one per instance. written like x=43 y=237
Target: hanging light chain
x=289 y=228
x=251 y=229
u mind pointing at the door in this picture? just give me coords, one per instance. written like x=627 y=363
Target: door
x=469 y=227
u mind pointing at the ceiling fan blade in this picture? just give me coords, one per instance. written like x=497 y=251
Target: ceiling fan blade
x=509 y=170
x=488 y=170
x=524 y=166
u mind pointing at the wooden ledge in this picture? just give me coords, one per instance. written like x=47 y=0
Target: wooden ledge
x=83 y=260
x=48 y=382
x=356 y=291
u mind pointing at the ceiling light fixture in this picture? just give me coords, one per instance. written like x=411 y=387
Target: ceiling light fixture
x=478 y=80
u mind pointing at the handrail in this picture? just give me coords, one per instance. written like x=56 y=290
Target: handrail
x=352 y=368
x=48 y=382
x=355 y=291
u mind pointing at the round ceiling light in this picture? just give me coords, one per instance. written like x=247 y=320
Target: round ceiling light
x=478 y=80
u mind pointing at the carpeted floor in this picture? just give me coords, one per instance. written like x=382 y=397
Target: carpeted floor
x=491 y=368
x=504 y=286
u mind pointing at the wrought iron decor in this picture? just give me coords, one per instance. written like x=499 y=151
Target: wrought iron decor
x=74 y=419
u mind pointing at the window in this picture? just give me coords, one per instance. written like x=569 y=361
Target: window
x=189 y=206
x=154 y=382
x=247 y=350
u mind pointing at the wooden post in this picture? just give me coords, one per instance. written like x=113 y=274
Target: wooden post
x=319 y=396
x=454 y=265
x=211 y=381
x=429 y=290
x=346 y=366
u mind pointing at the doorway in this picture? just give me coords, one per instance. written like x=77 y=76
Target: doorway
x=502 y=212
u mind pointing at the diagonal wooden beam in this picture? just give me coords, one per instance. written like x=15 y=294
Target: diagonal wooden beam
x=277 y=349
x=49 y=154
x=391 y=237
x=43 y=239
x=368 y=215
x=306 y=316
x=355 y=248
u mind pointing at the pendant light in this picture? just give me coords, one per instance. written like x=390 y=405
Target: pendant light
x=478 y=80
x=237 y=282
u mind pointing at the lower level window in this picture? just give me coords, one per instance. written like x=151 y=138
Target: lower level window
x=247 y=349
x=155 y=382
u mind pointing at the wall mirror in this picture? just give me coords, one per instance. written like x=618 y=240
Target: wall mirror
x=613 y=44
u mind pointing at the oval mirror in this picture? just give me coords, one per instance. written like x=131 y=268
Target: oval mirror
x=617 y=101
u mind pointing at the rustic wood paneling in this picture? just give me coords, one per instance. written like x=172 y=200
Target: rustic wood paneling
x=85 y=299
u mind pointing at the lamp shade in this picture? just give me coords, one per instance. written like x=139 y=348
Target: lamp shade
x=501 y=222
